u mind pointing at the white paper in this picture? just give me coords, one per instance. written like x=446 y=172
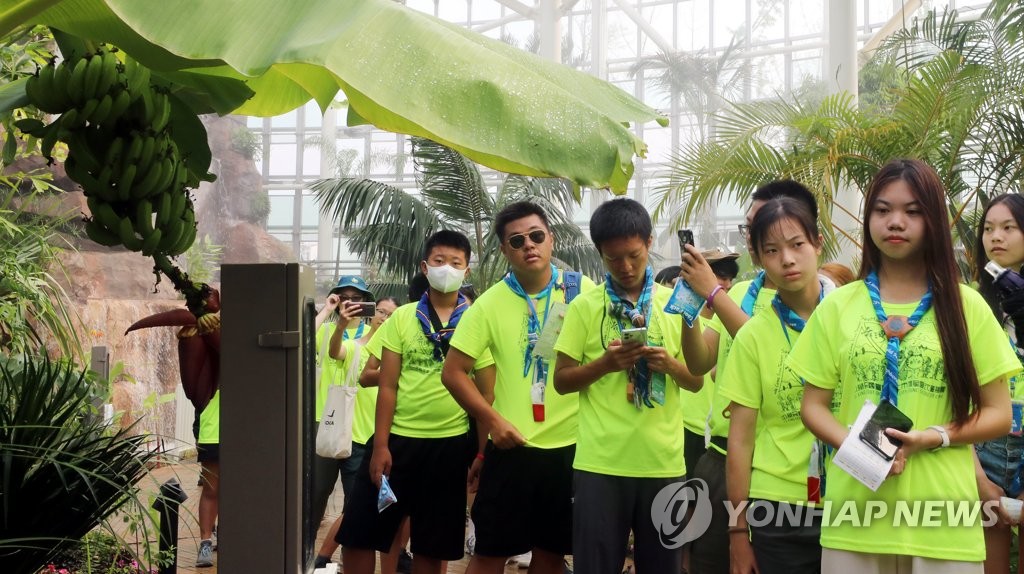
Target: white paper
x=545 y=347
x=859 y=459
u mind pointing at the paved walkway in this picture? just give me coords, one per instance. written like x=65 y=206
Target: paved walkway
x=188 y=527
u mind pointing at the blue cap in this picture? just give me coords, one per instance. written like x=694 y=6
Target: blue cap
x=354 y=281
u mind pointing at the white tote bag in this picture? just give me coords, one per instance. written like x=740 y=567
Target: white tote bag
x=334 y=436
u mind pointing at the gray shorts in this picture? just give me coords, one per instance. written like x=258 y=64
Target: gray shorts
x=605 y=509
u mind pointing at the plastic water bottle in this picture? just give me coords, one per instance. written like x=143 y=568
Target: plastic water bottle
x=1008 y=281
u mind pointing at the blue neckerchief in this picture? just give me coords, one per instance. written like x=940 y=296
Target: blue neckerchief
x=441 y=337
x=890 y=385
x=747 y=305
x=639 y=315
x=359 y=332
x=533 y=324
x=789 y=318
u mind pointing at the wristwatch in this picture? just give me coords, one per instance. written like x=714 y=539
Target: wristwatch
x=943 y=433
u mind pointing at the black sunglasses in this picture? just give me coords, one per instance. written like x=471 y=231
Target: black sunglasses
x=537 y=236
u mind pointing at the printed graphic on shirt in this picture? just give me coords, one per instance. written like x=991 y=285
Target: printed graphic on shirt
x=921 y=368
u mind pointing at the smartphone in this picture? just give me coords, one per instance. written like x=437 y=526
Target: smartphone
x=638 y=335
x=685 y=238
x=886 y=416
x=366 y=309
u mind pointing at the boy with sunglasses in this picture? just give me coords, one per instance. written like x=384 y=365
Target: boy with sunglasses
x=524 y=501
x=629 y=446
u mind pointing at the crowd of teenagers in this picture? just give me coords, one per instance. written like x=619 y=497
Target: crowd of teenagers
x=567 y=432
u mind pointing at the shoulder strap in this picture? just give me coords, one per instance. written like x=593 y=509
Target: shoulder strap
x=352 y=378
x=571 y=284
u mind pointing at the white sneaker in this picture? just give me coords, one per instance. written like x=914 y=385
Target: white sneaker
x=522 y=561
x=204 y=559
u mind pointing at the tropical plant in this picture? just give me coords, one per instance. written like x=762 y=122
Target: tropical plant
x=389 y=226
x=63 y=472
x=960 y=107
x=215 y=56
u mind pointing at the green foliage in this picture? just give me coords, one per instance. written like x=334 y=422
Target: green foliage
x=259 y=207
x=202 y=260
x=98 y=553
x=247 y=143
x=957 y=103
x=62 y=471
x=389 y=226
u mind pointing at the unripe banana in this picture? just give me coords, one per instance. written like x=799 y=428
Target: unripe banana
x=79 y=174
x=86 y=111
x=70 y=119
x=138 y=78
x=134 y=148
x=127 y=234
x=166 y=174
x=100 y=234
x=109 y=73
x=104 y=190
x=60 y=85
x=80 y=148
x=104 y=213
x=144 y=217
x=187 y=238
x=93 y=71
x=38 y=88
x=151 y=242
x=124 y=183
x=162 y=208
x=146 y=186
x=114 y=152
x=76 y=84
x=172 y=234
x=121 y=102
x=102 y=110
x=145 y=160
x=179 y=199
x=163 y=111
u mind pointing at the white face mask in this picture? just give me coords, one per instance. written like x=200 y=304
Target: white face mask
x=445 y=278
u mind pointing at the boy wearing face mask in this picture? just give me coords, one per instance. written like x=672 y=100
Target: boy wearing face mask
x=524 y=502
x=421 y=442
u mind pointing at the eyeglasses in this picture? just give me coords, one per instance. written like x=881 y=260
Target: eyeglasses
x=744 y=231
x=517 y=241
x=353 y=298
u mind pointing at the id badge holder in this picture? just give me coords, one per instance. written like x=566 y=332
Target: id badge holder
x=537 y=389
x=1017 y=427
x=815 y=478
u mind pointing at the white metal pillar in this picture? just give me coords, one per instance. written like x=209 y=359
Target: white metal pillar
x=549 y=29
x=841 y=76
x=328 y=168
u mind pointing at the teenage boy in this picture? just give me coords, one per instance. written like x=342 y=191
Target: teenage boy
x=629 y=445
x=420 y=442
x=524 y=500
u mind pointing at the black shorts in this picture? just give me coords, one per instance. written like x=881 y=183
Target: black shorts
x=524 y=501
x=428 y=476
x=208 y=452
x=693 y=449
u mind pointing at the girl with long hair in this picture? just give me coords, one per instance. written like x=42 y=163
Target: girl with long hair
x=908 y=332
x=769 y=447
x=998 y=461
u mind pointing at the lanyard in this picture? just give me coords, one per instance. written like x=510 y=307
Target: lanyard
x=359 y=332
x=747 y=305
x=895 y=328
x=534 y=324
x=639 y=315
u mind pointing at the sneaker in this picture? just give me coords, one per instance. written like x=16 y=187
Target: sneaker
x=522 y=561
x=213 y=538
x=205 y=557
x=404 y=563
x=471 y=544
x=321 y=562
x=568 y=570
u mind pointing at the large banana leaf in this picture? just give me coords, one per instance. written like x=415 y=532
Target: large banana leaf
x=401 y=70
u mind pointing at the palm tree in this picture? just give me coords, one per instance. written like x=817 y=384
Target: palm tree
x=959 y=106
x=389 y=226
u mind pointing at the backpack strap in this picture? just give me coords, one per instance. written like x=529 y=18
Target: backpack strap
x=571 y=284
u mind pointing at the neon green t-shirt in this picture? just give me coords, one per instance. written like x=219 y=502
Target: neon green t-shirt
x=498 y=322
x=615 y=437
x=423 y=408
x=209 y=421
x=843 y=348
x=758 y=378
x=696 y=406
x=366 y=397
x=331 y=371
x=718 y=423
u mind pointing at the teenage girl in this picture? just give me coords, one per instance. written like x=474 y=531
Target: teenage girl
x=769 y=447
x=908 y=332
x=999 y=461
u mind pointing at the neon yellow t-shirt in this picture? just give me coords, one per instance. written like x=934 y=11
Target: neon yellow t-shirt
x=615 y=437
x=843 y=348
x=331 y=371
x=209 y=421
x=718 y=423
x=696 y=406
x=757 y=378
x=498 y=322
x=423 y=408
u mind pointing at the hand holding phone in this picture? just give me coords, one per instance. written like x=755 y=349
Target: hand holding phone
x=886 y=416
x=638 y=335
x=685 y=238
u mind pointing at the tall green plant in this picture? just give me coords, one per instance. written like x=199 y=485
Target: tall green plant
x=389 y=226
x=960 y=108
x=62 y=473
